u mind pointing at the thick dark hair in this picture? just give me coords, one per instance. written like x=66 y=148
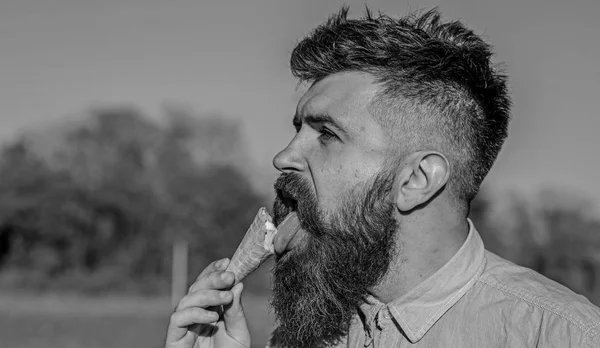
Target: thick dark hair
x=439 y=88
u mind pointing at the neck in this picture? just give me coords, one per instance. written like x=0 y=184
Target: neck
x=424 y=244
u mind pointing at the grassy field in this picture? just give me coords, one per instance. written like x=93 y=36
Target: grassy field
x=28 y=321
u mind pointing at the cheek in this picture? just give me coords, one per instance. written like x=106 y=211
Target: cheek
x=335 y=176
x=334 y=184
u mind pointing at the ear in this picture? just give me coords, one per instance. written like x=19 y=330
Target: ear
x=421 y=175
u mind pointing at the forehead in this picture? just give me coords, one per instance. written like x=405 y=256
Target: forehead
x=345 y=97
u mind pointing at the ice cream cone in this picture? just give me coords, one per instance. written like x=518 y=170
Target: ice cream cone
x=255 y=248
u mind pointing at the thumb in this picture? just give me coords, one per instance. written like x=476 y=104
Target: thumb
x=235 y=319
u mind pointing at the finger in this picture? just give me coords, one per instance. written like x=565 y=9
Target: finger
x=182 y=320
x=234 y=317
x=193 y=315
x=205 y=298
x=215 y=280
x=218 y=265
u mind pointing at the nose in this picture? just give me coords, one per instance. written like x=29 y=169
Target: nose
x=289 y=159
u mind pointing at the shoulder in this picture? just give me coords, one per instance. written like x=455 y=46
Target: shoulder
x=541 y=302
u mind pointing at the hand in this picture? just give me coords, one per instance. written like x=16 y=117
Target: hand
x=199 y=321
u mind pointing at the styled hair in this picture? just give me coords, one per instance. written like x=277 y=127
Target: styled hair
x=439 y=89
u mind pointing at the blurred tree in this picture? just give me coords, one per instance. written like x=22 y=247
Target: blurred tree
x=25 y=182
x=555 y=234
x=102 y=211
x=572 y=253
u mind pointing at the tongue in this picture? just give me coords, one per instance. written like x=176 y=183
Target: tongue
x=285 y=232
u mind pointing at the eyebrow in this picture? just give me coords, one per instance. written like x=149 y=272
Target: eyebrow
x=318 y=119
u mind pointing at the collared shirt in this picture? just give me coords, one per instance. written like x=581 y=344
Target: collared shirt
x=477 y=299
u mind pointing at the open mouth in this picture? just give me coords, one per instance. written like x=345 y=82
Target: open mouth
x=288 y=201
x=286 y=238
x=288 y=222
x=291 y=204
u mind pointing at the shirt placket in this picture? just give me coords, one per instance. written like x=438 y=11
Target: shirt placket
x=386 y=335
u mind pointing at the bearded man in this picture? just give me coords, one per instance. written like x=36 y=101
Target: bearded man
x=403 y=120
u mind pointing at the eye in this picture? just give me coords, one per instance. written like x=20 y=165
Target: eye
x=326 y=135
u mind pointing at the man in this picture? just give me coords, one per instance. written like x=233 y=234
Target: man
x=403 y=120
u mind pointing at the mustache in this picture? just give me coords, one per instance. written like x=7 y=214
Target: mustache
x=291 y=185
x=294 y=193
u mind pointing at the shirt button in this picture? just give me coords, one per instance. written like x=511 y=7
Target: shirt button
x=386 y=314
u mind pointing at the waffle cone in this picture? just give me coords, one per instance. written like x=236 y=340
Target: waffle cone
x=252 y=251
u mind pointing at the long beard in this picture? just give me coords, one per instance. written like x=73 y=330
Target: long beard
x=318 y=287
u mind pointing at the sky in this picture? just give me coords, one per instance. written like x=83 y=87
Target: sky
x=60 y=57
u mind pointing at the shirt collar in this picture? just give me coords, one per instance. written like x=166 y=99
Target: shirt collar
x=418 y=310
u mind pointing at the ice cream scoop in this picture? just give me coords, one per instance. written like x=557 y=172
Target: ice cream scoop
x=260 y=242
